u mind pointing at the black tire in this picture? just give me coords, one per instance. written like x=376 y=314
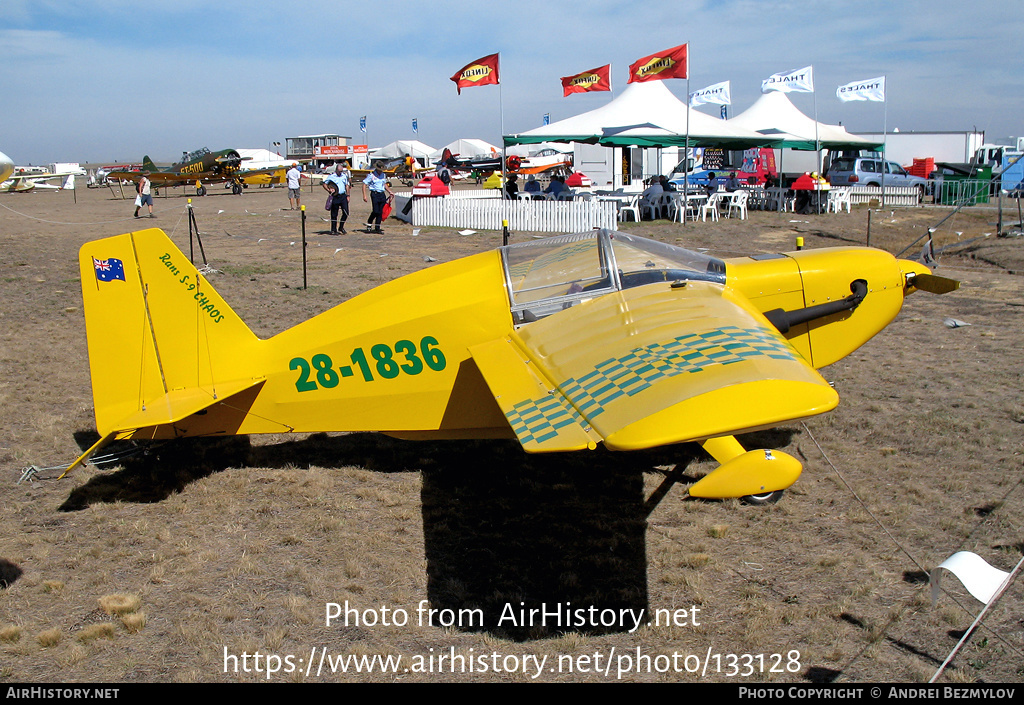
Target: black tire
x=920 y=195
x=201 y=191
x=762 y=499
x=236 y=189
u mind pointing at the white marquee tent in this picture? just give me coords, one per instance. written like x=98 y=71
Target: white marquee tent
x=466 y=148
x=646 y=114
x=774 y=115
x=400 y=148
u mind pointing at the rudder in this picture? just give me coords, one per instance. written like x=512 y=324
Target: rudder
x=163 y=344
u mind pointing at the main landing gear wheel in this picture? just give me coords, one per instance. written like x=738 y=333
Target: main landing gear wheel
x=236 y=189
x=762 y=499
x=201 y=191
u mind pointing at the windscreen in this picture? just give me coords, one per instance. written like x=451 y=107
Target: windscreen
x=547 y=276
x=643 y=261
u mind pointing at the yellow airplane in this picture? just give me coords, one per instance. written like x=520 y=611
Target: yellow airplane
x=563 y=343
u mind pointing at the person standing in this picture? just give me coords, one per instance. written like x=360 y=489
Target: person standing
x=341 y=180
x=377 y=184
x=144 y=189
x=293 y=175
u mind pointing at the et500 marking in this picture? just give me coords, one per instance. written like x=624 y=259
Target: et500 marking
x=322 y=366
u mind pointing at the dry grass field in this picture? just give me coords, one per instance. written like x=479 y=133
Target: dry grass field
x=183 y=562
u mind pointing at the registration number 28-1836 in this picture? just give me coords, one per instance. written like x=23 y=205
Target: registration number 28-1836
x=405 y=357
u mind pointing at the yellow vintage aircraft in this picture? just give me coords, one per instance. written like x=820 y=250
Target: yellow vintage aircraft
x=563 y=343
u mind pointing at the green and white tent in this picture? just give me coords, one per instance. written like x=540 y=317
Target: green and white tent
x=774 y=115
x=645 y=115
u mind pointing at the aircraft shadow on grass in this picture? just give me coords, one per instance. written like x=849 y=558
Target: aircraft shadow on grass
x=503 y=529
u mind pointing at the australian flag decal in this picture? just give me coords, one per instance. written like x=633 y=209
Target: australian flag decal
x=107 y=270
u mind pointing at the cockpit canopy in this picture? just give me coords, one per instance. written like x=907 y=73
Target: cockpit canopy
x=550 y=275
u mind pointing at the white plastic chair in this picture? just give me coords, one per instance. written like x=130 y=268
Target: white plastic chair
x=738 y=201
x=651 y=206
x=775 y=200
x=838 y=198
x=711 y=206
x=674 y=205
x=633 y=207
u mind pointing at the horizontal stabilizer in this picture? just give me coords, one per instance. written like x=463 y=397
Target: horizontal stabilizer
x=179 y=403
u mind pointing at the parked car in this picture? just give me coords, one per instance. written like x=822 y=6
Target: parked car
x=866 y=171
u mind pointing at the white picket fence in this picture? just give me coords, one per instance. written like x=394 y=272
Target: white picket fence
x=894 y=195
x=522 y=215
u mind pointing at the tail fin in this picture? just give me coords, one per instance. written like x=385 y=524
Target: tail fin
x=163 y=344
x=148 y=165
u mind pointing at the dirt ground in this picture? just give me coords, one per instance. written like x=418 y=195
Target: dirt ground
x=220 y=560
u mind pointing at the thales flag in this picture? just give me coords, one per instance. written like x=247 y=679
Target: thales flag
x=478 y=73
x=671 y=63
x=795 y=81
x=107 y=270
x=719 y=94
x=599 y=79
x=871 y=89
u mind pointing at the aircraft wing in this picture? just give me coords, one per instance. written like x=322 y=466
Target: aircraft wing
x=124 y=175
x=649 y=366
x=27 y=182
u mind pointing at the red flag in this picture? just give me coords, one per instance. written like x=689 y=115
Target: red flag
x=478 y=73
x=599 y=79
x=671 y=63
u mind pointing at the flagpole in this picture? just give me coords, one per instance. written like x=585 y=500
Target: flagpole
x=817 y=139
x=686 y=143
x=817 y=151
x=885 y=127
x=504 y=192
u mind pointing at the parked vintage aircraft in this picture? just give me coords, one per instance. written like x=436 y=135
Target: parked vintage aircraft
x=200 y=167
x=563 y=343
x=28 y=178
x=541 y=161
x=483 y=163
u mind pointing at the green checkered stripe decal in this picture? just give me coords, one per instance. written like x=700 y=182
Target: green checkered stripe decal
x=539 y=420
x=692 y=353
x=639 y=369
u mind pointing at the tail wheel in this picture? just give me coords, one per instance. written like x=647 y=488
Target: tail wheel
x=513 y=163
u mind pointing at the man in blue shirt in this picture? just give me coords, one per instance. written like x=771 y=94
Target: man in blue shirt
x=380 y=191
x=340 y=180
x=556 y=186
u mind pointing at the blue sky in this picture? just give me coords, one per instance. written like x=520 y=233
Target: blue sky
x=111 y=80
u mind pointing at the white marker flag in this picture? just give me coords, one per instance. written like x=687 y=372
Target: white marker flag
x=980 y=579
x=871 y=89
x=795 y=81
x=719 y=94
